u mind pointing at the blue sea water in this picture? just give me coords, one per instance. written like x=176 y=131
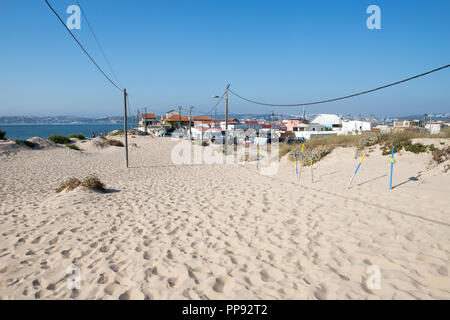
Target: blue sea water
x=25 y=131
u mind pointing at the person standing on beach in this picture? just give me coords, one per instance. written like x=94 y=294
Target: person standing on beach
x=93 y=134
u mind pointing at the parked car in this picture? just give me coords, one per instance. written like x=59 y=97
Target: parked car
x=296 y=140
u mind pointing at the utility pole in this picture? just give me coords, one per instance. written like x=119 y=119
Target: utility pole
x=190 y=122
x=125 y=125
x=179 y=117
x=226 y=117
x=304 y=115
x=145 y=125
x=271 y=125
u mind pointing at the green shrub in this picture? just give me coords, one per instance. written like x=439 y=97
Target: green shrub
x=2 y=135
x=415 y=148
x=77 y=136
x=25 y=143
x=432 y=148
x=72 y=146
x=59 y=139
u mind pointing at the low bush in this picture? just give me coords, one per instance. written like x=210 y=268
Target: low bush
x=69 y=185
x=72 y=146
x=59 y=139
x=415 y=148
x=25 y=143
x=114 y=143
x=77 y=136
x=441 y=155
x=93 y=182
x=2 y=135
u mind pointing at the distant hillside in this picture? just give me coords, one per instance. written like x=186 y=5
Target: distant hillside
x=58 y=120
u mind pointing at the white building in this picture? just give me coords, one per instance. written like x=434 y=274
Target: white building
x=331 y=121
x=434 y=127
x=355 y=126
x=204 y=133
x=311 y=130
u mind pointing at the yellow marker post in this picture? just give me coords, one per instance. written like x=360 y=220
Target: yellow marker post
x=357 y=168
x=311 y=163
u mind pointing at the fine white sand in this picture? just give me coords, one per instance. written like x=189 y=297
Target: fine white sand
x=163 y=231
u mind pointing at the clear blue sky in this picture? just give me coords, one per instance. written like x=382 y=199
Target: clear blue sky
x=170 y=53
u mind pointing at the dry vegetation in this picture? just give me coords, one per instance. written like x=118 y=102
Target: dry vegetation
x=69 y=185
x=398 y=140
x=91 y=181
x=114 y=143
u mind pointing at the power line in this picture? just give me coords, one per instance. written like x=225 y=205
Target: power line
x=215 y=106
x=340 y=98
x=97 y=41
x=81 y=46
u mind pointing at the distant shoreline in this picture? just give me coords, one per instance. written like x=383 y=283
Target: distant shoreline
x=59 y=123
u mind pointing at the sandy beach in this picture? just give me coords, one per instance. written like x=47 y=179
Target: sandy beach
x=165 y=231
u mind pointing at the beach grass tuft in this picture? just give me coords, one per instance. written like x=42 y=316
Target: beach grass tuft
x=72 y=146
x=91 y=181
x=69 y=185
x=441 y=155
x=114 y=143
x=26 y=143
x=59 y=139
x=77 y=136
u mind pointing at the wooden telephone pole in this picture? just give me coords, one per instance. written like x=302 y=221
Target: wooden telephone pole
x=190 y=122
x=271 y=125
x=226 y=118
x=179 y=117
x=125 y=125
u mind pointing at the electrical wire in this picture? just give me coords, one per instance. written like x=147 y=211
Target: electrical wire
x=97 y=41
x=81 y=46
x=340 y=98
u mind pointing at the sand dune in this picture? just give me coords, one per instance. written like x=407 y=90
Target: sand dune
x=163 y=231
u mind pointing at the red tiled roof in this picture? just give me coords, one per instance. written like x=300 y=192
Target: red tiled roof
x=202 y=118
x=148 y=116
x=176 y=117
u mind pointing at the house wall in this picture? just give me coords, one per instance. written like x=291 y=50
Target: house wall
x=434 y=128
x=311 y=134
x=356 y=126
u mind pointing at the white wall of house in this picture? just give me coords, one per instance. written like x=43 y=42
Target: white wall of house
x=313 y=134
x=433 y=128
x=356 y=126
x=235 y=126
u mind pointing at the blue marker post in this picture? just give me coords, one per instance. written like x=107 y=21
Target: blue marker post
x=296 y=162
x=356 y=171
x=392 y=161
